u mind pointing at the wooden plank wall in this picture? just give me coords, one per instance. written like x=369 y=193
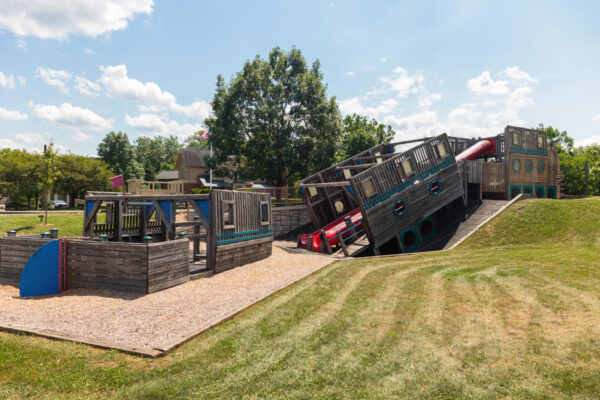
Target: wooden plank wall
x=168 y=264
x=131 y=267
x=250 y=239
x=391 y=183
x=14 y=253
x=474 y=171
x=493 y=177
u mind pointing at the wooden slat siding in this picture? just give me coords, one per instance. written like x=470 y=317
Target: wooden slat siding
x=420 y=203
x=474 y=171
x=493 y=177
x=168 y=264
x=15 y=252
x=130 y=267
x=552 y=167
x=247 y=226
x=388 y=178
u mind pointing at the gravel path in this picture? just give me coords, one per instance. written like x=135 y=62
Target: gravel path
x=150 y=320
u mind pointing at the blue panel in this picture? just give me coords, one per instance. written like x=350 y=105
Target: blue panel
x=302 y=191
x=351 y=190
x=40 y=275
x=205 y=207
x=148 y=208
x=390 y=148
x=88 y=207
x=339 y=174
x=357 y=162
x=167 y=207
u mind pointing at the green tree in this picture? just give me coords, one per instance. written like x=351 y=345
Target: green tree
x=116 y=150
x=361 y=134
x=573 y=166
x=48 y=176
x=196 y=142
x=19 y=176
x=275 y=116
x=561 y=140
x=79 y=174
x=156 y=154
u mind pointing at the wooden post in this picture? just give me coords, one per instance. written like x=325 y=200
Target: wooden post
x=118 y=217
x=326 y=241
x=196 y=239
x=341 y=241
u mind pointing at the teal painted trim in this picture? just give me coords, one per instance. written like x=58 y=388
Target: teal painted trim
x=229 y=234
x=530 y=187
x=431 y=187
x=405 y=207
x=433 y=229
x=518 y=187
x=378 y=199
x=530 y=152
x=528 y=166
x=543 y=189
x=417 y=242
x=219 y=242
x=541 y=166
x=550 y=195
x=516 y=165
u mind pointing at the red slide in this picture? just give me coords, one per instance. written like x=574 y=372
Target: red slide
x=339 y=225
x=487 y=146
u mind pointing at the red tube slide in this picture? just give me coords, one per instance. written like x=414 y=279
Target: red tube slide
x=331 y=229
x=487 y=146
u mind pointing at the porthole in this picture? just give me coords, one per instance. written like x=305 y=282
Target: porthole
x=426 y=228
x=528 y=166
x=516 y=165
x=550 y=193
x=409 y=239
x=435 y=187
x=400 y=207
x=539 y=193
x=541 y=166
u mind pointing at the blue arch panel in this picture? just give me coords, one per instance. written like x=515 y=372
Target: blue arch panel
x=40 y=275
x=204 y=207
x=167 y=206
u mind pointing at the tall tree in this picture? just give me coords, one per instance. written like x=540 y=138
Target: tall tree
x=48 y=176
x=196 y=142
x=275 y=116
x=116 y=150
x=79 y=174
x=156 y=154
x=560 y=139
x=361 y=134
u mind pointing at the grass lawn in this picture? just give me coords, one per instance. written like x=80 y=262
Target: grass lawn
x=514 y=312
x=69 y=224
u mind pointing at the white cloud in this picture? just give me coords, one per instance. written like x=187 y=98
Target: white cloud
x=596 y=117
x=11 y=115
x=595 y=139
x=7 y=81
x=150 y=96
x=484 y=84
x=355 y=106
x=22 y=80
x=350 y=73
x=54 y=77
x=32 y=138
x=427 y=100
x=70 y=117
x=89 y=51
x=58 y=19
x=154 y=124
x=515 y=74
x=82 y=137
x=403 y=83
x=87 y=87
x=489 y=103
x=414 y=126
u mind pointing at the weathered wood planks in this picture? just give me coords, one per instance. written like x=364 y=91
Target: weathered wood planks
x=14 y=253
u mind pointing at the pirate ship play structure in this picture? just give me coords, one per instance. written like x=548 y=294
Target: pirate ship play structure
x=383 y=200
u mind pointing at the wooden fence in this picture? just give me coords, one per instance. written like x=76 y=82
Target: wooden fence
x=493 y=177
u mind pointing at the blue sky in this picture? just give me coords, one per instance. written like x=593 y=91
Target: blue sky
x=71 y=71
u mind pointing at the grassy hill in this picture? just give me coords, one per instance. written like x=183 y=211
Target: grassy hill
x=514 y=312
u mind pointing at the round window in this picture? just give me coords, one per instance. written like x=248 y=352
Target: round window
x=400 y=207
x=339 y=206
x=541 y=166
x=539 y=193
x=514 y=192
x=435 y=187
x=409 y=239
x=426 y=228
x=550 y=193
x=516 y=165
x=528 y=166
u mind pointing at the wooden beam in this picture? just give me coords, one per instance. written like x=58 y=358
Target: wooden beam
x=326 y=184
x=358 y=166
x=203 y=218
x=164 y=218
x=91 y=217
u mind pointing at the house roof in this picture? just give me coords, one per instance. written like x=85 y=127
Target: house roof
x=189 y=157
x=167 y=176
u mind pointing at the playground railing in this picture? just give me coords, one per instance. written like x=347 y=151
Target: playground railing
x=280 y=196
